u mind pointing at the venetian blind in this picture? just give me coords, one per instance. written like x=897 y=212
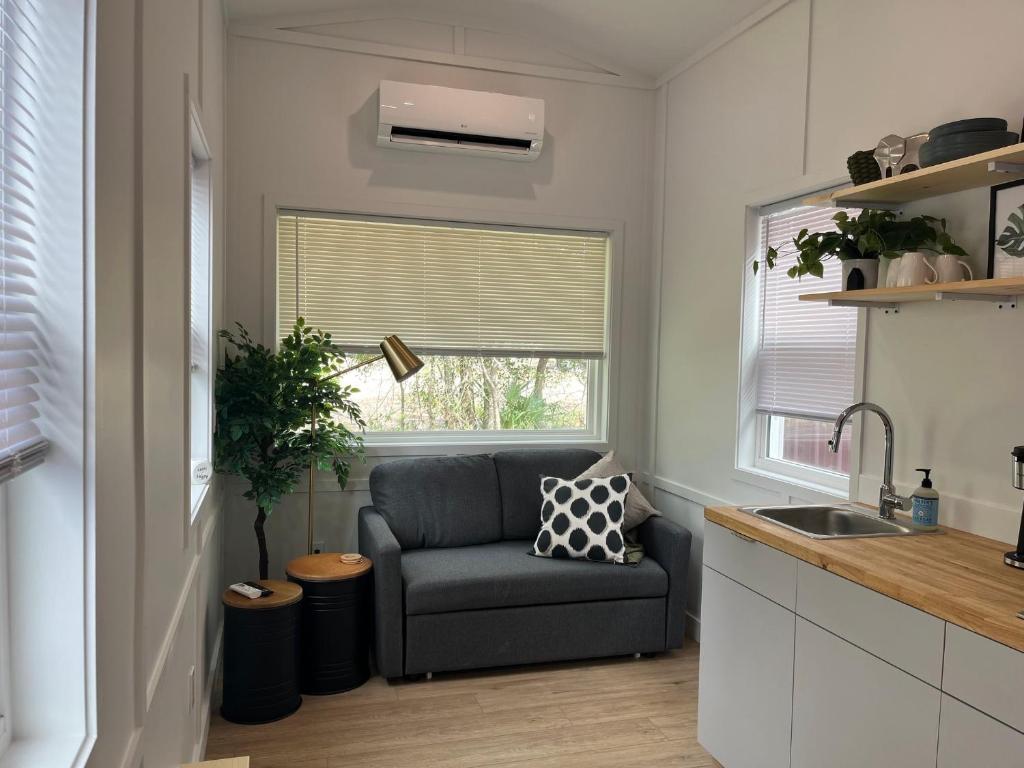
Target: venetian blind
x=444 y=289
x=22 y=445
x=199 y=314
x=807 y=351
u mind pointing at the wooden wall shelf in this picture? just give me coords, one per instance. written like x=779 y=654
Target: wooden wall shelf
x=1002 y=292
x=983 y=170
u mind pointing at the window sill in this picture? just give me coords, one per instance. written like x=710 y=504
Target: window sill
x=70 y=751
x=484 y=444
x=198 y=497
x=773 y=481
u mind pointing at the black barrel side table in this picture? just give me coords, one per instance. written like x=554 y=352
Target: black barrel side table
x=261 y=654
x=336 y=621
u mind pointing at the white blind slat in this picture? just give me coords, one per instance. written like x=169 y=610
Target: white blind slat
x=445 y=289
x=22 y=445
x=806 y=351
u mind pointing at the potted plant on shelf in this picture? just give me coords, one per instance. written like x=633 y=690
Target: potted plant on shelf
x=263 y=402
x=860 y=242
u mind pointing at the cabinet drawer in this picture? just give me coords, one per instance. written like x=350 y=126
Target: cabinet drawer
x=969 y=737
x=987 y=675
x=757 y=566
x=905 y=637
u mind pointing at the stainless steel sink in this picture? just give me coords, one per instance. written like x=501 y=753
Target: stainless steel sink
x=828 y=522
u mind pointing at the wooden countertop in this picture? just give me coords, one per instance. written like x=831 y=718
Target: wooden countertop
x=955 y=575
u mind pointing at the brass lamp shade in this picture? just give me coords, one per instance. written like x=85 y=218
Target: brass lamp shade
x=401 y=360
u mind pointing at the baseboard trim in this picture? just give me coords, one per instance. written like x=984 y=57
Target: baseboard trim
x=199 y=752
x=132 y=758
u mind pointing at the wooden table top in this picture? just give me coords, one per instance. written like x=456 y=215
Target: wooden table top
x=326 y=567
x=285 y=593
x=955 y=575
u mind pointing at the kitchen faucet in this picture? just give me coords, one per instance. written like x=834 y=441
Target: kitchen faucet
x=888 y=499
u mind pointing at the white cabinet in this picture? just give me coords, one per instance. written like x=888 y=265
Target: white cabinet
x=968 y=737
x=746 y=676
x=851 y=709
x=895 y=632
x=987 y=675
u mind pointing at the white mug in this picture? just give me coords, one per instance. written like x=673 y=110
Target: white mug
x=892 y=277
x=951 y=270
x=914 y=269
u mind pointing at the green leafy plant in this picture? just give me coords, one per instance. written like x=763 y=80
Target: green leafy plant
x=869 y=235
x=264 y=402
x=1011 y=240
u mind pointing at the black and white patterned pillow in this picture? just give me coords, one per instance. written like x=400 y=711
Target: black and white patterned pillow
x=582 y=519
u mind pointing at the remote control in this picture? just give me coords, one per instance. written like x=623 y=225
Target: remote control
x=245 y=589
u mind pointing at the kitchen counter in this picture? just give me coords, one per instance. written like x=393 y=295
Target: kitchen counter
x=955 y=576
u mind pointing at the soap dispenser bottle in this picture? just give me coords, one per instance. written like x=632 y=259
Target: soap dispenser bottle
x=925 y=500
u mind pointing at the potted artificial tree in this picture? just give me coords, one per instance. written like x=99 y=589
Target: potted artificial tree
x=860 y=242
x=264 y=403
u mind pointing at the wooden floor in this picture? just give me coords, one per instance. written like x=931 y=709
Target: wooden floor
x=613 y=712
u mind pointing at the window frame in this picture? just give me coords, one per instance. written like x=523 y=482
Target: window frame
x=605 y=373
x=197 y=146
x=5 y=621
x=752 y=462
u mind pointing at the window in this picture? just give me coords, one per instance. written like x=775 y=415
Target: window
x=200 y=389
x=510 y=322
x=803 y=357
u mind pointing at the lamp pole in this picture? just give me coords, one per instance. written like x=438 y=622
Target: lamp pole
x=312 y=452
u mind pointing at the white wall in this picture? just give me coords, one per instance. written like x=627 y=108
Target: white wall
x=779 y=108
x=158 y=585
x=302 y=127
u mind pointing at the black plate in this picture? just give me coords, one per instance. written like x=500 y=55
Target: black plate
x=965 y=126
x=934 y=153
x=985 y=139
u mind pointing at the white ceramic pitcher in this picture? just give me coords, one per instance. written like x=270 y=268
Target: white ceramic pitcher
x=892 y=276
x=951 y=270
x=914 y=269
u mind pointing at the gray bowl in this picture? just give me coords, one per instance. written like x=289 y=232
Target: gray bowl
x=959 y=145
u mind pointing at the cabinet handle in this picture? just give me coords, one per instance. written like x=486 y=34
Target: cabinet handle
x=741 y=536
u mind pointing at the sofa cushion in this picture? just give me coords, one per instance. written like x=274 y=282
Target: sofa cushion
x=519 y=474
x=443 y=501
x=503 y=574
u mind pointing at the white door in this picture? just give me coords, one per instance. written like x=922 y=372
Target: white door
x=746 y=675
x=852 y=710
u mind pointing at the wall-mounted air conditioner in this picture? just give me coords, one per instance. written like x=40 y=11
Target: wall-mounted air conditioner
x=433 y=118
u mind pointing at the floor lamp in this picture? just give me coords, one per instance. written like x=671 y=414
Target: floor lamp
x=403 y=364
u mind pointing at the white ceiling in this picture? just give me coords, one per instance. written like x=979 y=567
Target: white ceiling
x=648 y=37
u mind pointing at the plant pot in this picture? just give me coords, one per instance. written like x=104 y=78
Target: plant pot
x=859 y=274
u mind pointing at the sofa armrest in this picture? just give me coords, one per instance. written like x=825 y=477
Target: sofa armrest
x=377 y=542
x=669 y=545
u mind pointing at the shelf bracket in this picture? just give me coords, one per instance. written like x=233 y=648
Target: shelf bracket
x=1003 y=302
x=888 y=307
x=999 y=167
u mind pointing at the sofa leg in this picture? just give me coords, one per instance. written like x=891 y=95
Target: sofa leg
x=430 y=675
x=636 y=655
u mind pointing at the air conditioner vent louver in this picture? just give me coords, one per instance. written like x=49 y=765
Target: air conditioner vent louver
x=432 y=118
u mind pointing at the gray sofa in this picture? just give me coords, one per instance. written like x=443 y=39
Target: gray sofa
x=455 y=588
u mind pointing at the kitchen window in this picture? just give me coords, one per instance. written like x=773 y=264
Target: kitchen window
x=799 y=358
x=511 y=322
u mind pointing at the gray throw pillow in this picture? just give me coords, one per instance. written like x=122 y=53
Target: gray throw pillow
x=638 y=508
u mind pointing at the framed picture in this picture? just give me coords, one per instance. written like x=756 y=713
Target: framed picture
x=1006 y=230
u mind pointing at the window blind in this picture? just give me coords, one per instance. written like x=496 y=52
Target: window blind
x=22 y=445
x=807 y=351
x=199 y=314
x=444 y=288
